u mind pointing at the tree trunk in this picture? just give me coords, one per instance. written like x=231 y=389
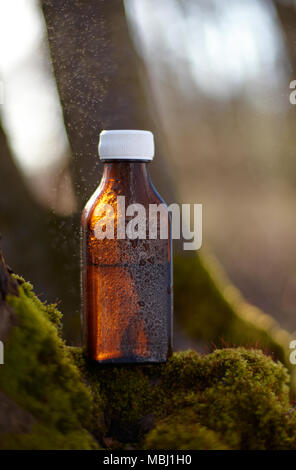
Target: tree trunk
x=98 y=75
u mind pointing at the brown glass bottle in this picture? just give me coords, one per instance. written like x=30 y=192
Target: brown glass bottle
x=126 y=283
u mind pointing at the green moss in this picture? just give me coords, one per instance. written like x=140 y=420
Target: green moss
x=122 y=392
x=50 y=311
x=211 y=309
x=41 y=378
x=239 y=394
x=44 y=438
x=176 y=433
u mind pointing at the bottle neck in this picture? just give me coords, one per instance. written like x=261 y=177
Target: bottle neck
x=131 y=174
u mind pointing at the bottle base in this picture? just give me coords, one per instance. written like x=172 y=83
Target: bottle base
x=127 y=360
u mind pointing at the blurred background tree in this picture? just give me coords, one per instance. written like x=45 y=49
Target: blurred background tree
x=210 y=78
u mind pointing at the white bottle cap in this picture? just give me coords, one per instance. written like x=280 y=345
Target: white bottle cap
x=126 y=145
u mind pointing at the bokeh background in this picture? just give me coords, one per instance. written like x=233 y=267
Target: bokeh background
x=211 y=78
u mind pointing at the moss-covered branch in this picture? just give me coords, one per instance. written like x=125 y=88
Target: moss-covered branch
x=211 y=309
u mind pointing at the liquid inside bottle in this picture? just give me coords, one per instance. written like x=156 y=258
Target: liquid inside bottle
x=127 y=279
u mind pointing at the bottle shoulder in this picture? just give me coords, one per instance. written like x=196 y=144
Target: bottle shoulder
x=156 y=194
x=108 y=193
x=91 y=204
